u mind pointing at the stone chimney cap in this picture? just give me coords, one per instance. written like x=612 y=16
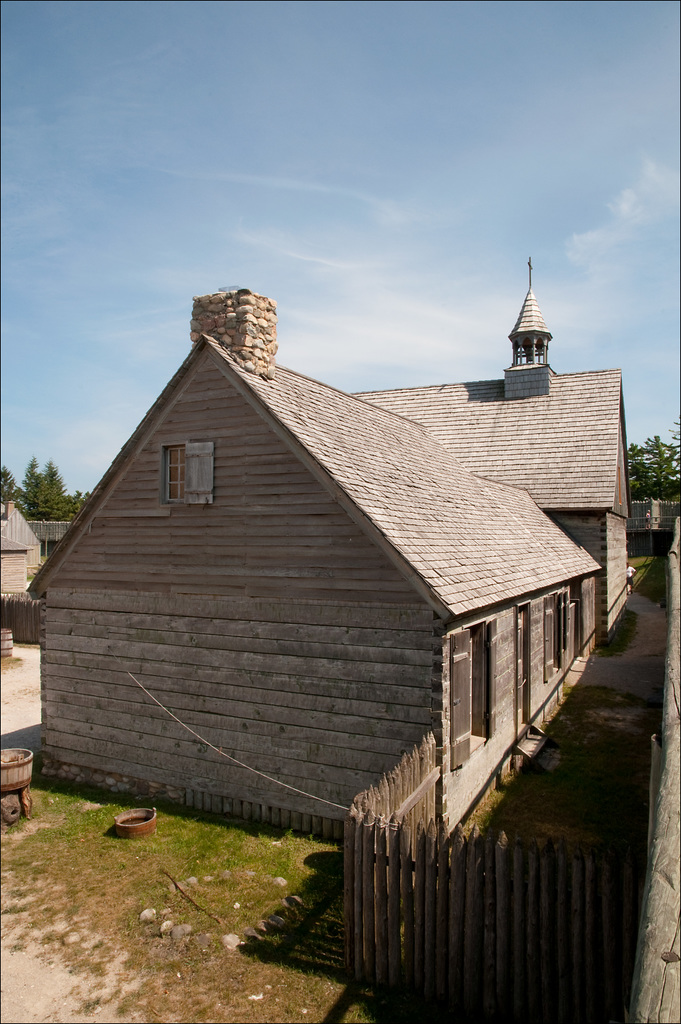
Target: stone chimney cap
x=243 y=323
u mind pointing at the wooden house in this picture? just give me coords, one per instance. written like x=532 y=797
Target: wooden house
x=15 y=527
x=562 y=437
x=309 y=583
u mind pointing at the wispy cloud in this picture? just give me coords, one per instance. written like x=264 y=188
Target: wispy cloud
x=651 y=199
x=386 y=211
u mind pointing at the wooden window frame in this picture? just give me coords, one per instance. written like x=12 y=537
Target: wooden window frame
x=472 y=664
x=173 y=459
x=556 y=632
x=195 y=487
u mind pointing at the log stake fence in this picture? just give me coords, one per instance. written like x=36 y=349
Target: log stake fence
x=497 y=930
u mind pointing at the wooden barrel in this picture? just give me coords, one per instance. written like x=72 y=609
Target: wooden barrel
x=6 y=643
x=16 y=765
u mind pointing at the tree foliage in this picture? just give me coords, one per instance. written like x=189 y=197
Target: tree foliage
x=42 y=494
x=654 y=469
x=8 y=486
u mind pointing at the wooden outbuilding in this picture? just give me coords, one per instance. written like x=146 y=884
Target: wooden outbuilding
x=309 y=583
x=15 y=527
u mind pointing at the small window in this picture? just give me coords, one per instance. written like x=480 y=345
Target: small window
x=556 y=632
x=473 y=679
x=187 y=473
x=174 y=473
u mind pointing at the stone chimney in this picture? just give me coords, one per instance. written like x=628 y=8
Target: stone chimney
x=245 y=324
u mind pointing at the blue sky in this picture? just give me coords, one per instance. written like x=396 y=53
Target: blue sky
x=382 y=170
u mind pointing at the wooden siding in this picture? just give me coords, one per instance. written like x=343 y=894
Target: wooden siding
x=465 y=785
x=13 y=572
x=604 y=537
x=271 y=531
x=324 y=697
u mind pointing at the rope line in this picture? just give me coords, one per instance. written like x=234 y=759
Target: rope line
x=219 y=750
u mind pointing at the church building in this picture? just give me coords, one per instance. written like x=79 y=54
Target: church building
x=562 y=437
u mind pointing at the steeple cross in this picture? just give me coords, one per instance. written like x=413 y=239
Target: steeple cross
x=529 y=263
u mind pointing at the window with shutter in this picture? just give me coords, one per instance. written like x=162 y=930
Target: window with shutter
x=187 y=473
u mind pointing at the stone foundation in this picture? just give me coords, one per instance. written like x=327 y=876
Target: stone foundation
x=112 y=781
x=279 y=817
x=243 y=323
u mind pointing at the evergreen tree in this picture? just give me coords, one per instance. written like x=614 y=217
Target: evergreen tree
x=8 y=486
x=43 y=495
x=55 y=503
x=28 y=498
x=654 y=469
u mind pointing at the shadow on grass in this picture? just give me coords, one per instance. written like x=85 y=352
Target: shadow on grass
x=597 y=796
x=313 y=943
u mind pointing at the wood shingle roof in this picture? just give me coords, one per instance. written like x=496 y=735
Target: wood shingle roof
x=562 y=447
x=473 y=542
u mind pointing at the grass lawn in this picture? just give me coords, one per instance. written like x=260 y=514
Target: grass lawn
x=597 y=796
x=650 y=579
x=66 y=872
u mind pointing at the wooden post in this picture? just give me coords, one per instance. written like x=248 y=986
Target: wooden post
x=519 y=938
x=578 y=938
x=503 y=927
x=368 y=936
x=457 y=892
x=629 y=923
x=407 y=889
x=592 y=952
x=547 y=917
x=349 y=886
x=419 y=905
x=533 y=958
x=358 y=950
x=612 y=953
x=563 y=936
x=489 y=979
x=430 y=903
x=441 y=913
x=394 y=944
x=381 y=890
x=473 y=933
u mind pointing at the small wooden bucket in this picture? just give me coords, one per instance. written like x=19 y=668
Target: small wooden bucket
x=137 y=823
x=17 y=767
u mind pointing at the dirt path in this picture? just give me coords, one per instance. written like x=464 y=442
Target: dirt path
x=36 y=987
x=639 y=669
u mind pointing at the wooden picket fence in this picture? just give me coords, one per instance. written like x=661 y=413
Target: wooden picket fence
x=499 y=932
x=408 y=791
x=21 y=614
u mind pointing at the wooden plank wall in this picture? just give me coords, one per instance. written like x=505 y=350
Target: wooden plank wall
x=324 y=697
x=14 y=579
x=22 y=616
x=272 y=530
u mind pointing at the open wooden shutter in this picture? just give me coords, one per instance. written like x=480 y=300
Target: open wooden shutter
x=198 y=486
x=460 y=686
x=549 y=639
x=491 y=643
